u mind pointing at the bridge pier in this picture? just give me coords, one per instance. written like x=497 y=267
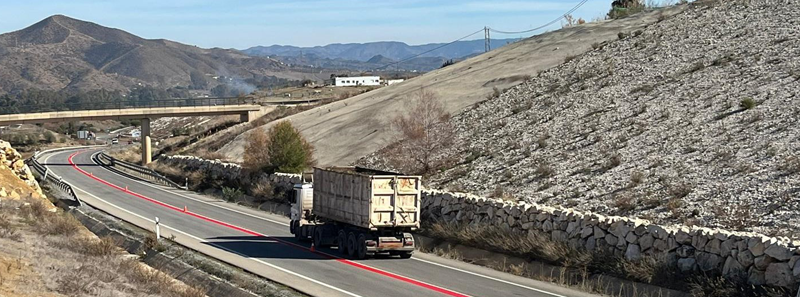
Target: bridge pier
x=247 y=117
x=147 y=155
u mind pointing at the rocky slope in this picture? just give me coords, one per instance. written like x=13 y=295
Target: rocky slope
x=61 y=53
x=11 y=160
x=692 y=120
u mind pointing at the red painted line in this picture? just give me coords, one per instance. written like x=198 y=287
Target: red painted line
x=250 y=232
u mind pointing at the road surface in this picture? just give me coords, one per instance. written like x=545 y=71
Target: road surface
x=260 y=242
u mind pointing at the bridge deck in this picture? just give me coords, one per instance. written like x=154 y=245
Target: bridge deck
x=128 y=113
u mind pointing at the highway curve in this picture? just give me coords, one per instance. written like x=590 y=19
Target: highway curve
x=260 y=242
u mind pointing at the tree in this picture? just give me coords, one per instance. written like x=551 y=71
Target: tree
x=426 y=131
x=282 y=149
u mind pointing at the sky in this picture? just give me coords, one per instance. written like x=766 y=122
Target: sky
x=241 y=24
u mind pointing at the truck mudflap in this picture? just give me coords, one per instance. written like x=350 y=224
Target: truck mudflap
x=391 y=243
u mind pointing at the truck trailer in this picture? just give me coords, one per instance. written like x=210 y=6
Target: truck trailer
x=362 y=212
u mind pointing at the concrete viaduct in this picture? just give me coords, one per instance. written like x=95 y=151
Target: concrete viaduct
x=246 y=111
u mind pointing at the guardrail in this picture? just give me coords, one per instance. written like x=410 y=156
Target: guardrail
x=136 y=170
x=46 y=176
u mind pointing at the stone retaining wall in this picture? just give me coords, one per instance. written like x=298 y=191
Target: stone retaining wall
x=761 y=259
x=230 y=173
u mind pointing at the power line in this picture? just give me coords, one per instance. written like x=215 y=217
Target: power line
x=486 y=31
x=545 y=25
x=430 y=50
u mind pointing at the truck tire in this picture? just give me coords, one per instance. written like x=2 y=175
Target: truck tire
x=292 y=228
x=361 y=243
x=341 y=242
x=351 y=245
x=405 y=255
x=317 y=237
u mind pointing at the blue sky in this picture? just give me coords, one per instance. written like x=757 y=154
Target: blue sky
x=241 y=24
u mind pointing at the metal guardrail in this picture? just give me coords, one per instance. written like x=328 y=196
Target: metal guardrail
x=133 y=169
x=188 y=102
x=46 y=176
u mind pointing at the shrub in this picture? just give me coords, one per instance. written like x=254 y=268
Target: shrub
x=614 y=161
x=791 y=165
x=232 y=194
x=636 y=177
x=60 y=224
x=103 y=247
x=49 y=137
x=624 y=204
x=747 y=103
x=8 y=230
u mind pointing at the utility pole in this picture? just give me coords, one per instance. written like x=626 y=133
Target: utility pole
x=487 y=39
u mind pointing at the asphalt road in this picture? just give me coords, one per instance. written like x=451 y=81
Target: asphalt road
x=260 y=242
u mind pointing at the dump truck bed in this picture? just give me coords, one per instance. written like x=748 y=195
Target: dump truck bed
x=370 y=200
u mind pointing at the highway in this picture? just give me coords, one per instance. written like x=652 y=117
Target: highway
x=260 y=242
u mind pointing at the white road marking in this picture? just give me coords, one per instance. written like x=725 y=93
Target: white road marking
x=226 y=249
x=286 y=224
x=489 y=277
x=194 y=199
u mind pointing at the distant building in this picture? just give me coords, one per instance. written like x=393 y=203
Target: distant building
x=390 y=82
x=357 y=81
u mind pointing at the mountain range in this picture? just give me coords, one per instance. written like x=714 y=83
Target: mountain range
x=62 y=53
x=376 y=54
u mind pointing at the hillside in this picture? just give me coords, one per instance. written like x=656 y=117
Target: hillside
x=62 y=53
x=376 y=63
x=692 y=120
x=349 y=129
x=364 y=51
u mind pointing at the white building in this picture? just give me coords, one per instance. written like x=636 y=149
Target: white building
x=390 y=82
x=357 y=81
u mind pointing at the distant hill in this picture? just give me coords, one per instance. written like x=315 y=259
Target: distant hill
x=363 y=52
x=62 y=53
x=376 y=63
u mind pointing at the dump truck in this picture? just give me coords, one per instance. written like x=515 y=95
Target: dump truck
x=360 y=211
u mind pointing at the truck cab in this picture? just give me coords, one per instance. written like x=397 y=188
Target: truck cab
x=302 y=201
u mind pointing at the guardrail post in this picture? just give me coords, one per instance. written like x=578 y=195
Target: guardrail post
x=158 y=230
x=47 y=170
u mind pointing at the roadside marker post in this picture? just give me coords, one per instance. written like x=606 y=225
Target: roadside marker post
x=187 y=184
x=46 y=172
x=158 y=230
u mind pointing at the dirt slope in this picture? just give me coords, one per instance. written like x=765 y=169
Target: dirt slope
x=352 y=128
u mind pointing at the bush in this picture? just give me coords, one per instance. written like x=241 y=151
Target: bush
x=49 y=137
x=60 y=224
x=232 y=194
x=282 y=149
x=747 y=103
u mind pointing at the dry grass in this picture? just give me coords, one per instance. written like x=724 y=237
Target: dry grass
x=130 y=154
x=59 y=255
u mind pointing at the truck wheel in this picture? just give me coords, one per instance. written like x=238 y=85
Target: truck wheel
x=361 y=253
x=351 y=244
x=318 y=237
x=292 y=228
x=341 y=242
x=406 y=255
